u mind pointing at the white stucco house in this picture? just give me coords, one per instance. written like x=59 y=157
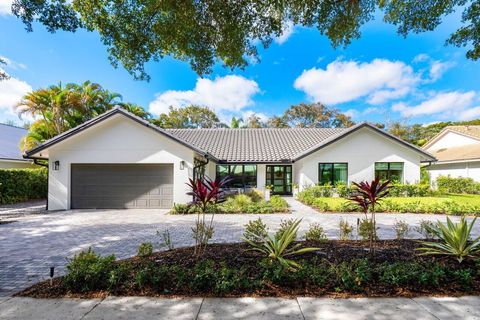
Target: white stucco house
x=118 y=160
x=10 y=152
x=457 y=149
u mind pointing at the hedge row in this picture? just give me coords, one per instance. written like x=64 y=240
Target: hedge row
x=18 y=185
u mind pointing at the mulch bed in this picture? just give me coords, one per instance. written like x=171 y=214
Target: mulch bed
x=238 y=255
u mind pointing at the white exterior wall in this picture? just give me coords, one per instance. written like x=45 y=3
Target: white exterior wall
x=455 y=170
x=451 y=139
x=116 y=140
x=360 y=150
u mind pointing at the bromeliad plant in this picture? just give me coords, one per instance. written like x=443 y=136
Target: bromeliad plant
x=455 y=240
x=367 y=195
x=279 y=248
x=205 y=192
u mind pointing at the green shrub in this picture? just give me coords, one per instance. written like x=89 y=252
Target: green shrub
x=278 y=203
x=425 y=228
x=353 y=275
x=346 y=230
x=88 y=271
x=367 y=230
x=447 y=184
x=18 y=185
x=401 y=229
x=255 y=230
x=284 y=226
x=409 y=190
x=179 y=208
x=316 y=233
x=145 y=249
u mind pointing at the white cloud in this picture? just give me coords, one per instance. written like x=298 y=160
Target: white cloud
x=230 y=93
x=453 y=104
x=343 y=81
x=421 y=57
x=469 y=114
x=11 y=91
x=11 y=64
x=287 y=32
x=5 y=7
x=438 y=68
x=263 y=117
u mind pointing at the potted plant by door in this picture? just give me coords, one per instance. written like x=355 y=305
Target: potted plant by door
x=295 y=189
x=268 y=191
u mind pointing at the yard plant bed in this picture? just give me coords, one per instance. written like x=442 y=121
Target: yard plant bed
x=337 y=268
x=446 y=204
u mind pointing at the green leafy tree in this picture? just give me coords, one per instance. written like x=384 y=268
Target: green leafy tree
x=277 y=122
x=188 y=117
x=254 y=121
x=3 y=74
x=315 y=115
x=235 y=123
x=62 y=107
x=206 y=31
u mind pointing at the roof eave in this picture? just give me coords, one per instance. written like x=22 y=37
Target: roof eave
x=117 y=110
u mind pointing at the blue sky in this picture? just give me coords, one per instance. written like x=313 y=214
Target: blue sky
x=380 y=77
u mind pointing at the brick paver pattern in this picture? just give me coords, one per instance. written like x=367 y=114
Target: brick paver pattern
x=34 y=243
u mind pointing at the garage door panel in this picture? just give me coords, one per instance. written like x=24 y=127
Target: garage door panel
x=121 y=186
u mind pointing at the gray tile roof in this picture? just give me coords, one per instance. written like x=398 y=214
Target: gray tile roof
x=10 y=137
x=255 y=145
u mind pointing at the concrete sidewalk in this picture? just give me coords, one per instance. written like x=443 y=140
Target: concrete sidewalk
x=241 y=308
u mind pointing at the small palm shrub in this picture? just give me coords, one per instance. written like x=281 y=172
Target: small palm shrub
x=455 y=240
x=401 y=229
x=255 y=230
x=316 y=233
x=278 y=249
x=145 y=249
x=346 y=230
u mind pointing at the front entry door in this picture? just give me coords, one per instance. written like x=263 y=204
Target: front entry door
x=280 y=177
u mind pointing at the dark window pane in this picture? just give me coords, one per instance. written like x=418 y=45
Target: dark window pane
x=340 y=172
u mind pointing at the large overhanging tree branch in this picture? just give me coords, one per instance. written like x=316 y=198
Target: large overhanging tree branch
x=204 y=32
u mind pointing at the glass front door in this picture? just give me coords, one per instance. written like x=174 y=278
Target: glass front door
x=280 y=177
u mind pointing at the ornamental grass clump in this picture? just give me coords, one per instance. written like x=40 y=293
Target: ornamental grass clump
x=279 y=248
x=454 y=240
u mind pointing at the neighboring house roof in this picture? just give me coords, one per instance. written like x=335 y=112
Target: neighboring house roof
x=458 y=154
x=467 y=130
x=10 y=137
x=472 y=131
x=265 y=145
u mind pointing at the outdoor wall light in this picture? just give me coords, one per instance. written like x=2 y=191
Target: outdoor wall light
x=182 y=165
x=56 y=165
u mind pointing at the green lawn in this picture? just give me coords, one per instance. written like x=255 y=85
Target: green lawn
x=449 y=204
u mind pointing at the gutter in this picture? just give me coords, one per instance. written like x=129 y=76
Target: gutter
x=35 y=161
x=199 y=166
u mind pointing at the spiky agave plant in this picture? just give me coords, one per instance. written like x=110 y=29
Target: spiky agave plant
x=279 y=248
x=455 y=240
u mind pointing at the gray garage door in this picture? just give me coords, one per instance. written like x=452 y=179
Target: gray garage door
x=113 y=186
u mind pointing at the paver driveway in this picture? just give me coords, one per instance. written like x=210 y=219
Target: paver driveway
x=30 y=246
